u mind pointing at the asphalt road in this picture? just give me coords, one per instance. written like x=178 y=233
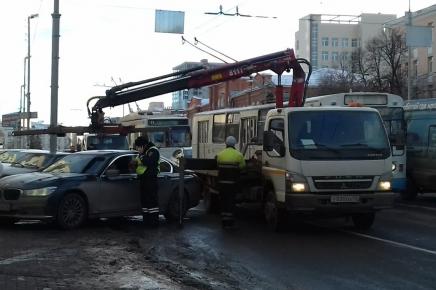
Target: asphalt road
x=399 y=252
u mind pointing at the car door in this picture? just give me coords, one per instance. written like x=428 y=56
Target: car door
x=119 y=187
x=167 y=179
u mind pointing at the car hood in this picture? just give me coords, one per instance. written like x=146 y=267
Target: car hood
x=36 y=179
x=11 y=170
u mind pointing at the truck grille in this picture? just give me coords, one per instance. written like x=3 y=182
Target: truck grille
x=342 y=182
x=11 y=194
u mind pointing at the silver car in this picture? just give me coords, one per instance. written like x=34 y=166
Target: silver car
x=91 y=184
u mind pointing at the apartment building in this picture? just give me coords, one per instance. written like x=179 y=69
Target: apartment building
x=328 y=41
x=423 y=62
x=180 y=99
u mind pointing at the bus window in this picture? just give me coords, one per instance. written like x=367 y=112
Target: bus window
x=232 y=126
x=219 y=128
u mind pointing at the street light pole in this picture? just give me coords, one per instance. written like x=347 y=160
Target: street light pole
x=409 y=49
x=28 y=68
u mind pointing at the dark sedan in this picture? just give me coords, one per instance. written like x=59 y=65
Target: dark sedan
x=90 y=184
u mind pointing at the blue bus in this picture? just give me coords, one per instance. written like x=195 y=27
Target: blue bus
x=420 y=118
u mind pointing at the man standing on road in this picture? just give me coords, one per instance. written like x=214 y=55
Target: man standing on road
x=230 y=162
x=147 y=168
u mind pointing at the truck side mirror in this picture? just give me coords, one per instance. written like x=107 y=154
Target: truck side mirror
x=268 y=141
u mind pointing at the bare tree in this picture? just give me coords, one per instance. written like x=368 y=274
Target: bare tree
x=377 y=67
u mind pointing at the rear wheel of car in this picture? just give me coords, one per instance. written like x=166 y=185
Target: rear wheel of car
x=275 y=217
x=173 y=208
x=72 y=211
x=363 y=221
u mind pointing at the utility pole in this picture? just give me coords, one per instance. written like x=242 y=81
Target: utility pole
x=54 y=74
x=409 y=67
x=28 y=68
x=23 y=96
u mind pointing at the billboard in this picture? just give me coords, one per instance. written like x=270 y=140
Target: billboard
x=13 y=119
x=169 y=21
x=419 y=36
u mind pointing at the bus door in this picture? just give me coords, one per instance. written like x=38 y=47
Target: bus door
x=247 y=135
x=203 y=133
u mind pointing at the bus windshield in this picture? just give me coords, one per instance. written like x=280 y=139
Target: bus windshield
x=393 y=119
x=117 y=142
x=175 y=137
x=341 y=135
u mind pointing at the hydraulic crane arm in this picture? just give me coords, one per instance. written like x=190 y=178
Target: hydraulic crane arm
x=278 y=62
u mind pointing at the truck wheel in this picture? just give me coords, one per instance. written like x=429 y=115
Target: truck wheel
x=72 y=211
x=363 y=221
x=275 y=217
x=211 y=202
x=411 y=191
x=172 y=211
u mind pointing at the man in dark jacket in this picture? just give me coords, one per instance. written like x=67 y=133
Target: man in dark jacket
x=147 y=168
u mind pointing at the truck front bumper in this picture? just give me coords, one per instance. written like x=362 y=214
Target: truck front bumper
x=338 y=202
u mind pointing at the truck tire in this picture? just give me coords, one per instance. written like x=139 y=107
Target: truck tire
x=363 y=221
x=276 y=217
x=410 y=192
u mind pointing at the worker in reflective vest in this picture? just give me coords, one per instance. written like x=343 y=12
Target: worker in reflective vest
x=230 y=163
x=147 y=168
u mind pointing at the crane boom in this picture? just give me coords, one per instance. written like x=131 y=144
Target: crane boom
x=278 y=62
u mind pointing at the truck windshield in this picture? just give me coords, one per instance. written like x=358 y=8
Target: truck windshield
x=341 y=135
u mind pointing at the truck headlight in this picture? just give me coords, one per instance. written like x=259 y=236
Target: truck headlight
x=296 y=182
x=44 y=191
x=394 y=166
x=384 y=184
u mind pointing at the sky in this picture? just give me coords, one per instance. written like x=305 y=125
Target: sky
x=109 y=42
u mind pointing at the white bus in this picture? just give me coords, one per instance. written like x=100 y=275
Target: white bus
x=391 y=110
x=170 y=133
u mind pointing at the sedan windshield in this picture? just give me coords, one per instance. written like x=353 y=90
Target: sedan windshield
x=32 y=160
x=11 y=156
x=337 y=135
x=76 y=163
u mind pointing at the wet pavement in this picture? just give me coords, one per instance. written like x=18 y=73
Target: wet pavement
x=397 y=253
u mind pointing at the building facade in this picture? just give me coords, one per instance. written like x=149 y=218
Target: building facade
x=328 y=41
x=423 y=63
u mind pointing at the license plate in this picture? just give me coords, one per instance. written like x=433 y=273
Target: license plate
x=344 y=198
x=5 y=207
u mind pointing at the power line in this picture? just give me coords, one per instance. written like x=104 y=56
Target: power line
x=193 y=45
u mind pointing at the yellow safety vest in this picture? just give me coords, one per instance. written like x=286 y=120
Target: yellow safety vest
x=231 y=155
x=141 y=168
